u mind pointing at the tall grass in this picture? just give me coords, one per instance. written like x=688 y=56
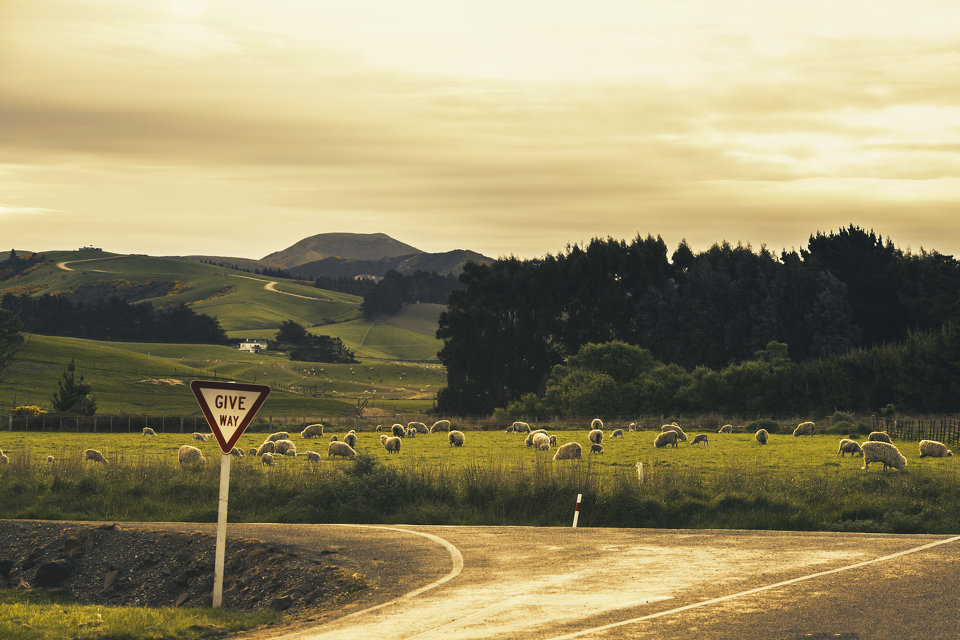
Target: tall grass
x=734 y=494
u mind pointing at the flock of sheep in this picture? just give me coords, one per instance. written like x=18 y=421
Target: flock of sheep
x=877 y=447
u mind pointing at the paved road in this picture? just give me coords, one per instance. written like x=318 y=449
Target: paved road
x=561 y=583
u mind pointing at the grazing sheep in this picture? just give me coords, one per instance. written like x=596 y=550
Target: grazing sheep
x=521 y=427
x=236 y=453
x=96 y=456
x=762 y=436
x=883 y=452
x=632 y=426
x=440 y=425
x=398 y=431
x=279 y=435
x=267 y=459
x=334 y=438
x=266 y=447
x=617 y=433
x=418 y=427
x=340 y=449
x=3 y=458
x=849 y=446
x=539 y=441
x=391 y=443
x=456 y=438
x=350 y=439
x=595 y=436
x=52 y=459
x=411 y=432
x=313 y=456
x=553 y=441
x=727 y=428
x=700 y=438
x=803 y=429
x=596 y=448
x=312 y=431
x=190 y=455
x=674 y=427
x=533 y=434
x=147 y=431
x=879 y=436
x=199 y=437
x=596 y=423
x=569 y=451
x=281 y=447
x=666 y=437
x=934 y=449
x=252 y=451
x=379 y=428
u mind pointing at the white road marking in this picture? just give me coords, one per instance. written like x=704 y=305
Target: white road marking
x=741 y=594
x=455 y=556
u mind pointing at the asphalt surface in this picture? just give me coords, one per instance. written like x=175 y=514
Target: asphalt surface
x=460 y=583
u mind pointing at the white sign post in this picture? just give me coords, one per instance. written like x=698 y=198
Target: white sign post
x=228 y=408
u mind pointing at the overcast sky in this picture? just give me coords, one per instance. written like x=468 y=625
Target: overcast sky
x=503 y=126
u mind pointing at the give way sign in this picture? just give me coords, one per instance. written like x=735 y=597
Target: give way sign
x=229 y=407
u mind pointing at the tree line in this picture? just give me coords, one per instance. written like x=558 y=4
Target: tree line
x=396 y=290
x=515 y=320
x=113 y=319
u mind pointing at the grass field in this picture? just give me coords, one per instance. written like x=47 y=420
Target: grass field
x=792 y=483
x=150 y=378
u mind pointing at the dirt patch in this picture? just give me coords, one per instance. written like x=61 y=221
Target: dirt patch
x=111 y=566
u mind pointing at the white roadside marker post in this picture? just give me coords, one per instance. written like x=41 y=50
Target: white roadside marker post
x=228 y=408
x=576 y=512
x=221 y=530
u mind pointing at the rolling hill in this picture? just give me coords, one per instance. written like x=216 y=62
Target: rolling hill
x=350 y=246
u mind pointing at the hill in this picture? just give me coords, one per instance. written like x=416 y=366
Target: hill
x=442 y=263
x=349 y=246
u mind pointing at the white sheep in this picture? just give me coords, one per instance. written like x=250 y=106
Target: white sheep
x=198 y=437
x=595 y=436
x=879 y=436
x=666 y=437
x=267 y=459
x=934 y=449
x=334 y=438
x=252 y=451
x=596 y=448
x=533 y=434
x=147 y=431
x=674 y=427
x=617 y=433
x=762 y=436
x=313 y=456
x=540 y=441
x=520 y=427
x=340 y=449
x=236 y=453
x=596 y=423
x=283 y=447
x=632 y=426
x=350 y=439
x=379 y=428
x=418 y=427
x=51 y=459
x=727 y=428
x=266 y=447
x=398 y=431
x=553 y=441
x=849 y=446
x=279 y=435
x=190 y=455
x=568 y=451
x=456 y=438
x=884 y=453
x=312 y=431
x=700 y=438
x=803 y=429
x=391 y=443
x=440 y=425
x=93 y=454
x=3 y=458
x=412 y=432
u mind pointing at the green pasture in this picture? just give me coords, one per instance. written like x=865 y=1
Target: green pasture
x=151 y=378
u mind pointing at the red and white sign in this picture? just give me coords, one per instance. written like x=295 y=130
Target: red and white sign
x=229 y=407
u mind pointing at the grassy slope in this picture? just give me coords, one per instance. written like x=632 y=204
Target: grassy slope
x=117 y=372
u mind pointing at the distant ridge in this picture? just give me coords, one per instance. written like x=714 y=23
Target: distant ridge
x=349 y=246
x=442 y=263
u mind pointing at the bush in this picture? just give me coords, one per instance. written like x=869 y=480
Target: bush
x=841 y=416
x=771 y=425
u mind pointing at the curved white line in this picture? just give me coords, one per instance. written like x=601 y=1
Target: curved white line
x=63 y=265
x=271 y=285
x=455 y=556
x=705 y=603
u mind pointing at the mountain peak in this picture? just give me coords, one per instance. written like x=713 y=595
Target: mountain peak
x=350 y=246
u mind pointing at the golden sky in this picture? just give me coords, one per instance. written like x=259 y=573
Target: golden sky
x=504 y=126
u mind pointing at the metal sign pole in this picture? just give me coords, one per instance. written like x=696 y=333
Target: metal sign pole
x=221 y=530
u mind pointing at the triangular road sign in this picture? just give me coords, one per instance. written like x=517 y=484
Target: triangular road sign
x=229 y=407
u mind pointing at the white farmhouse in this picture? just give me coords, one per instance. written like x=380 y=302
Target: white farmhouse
x=255 y=346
